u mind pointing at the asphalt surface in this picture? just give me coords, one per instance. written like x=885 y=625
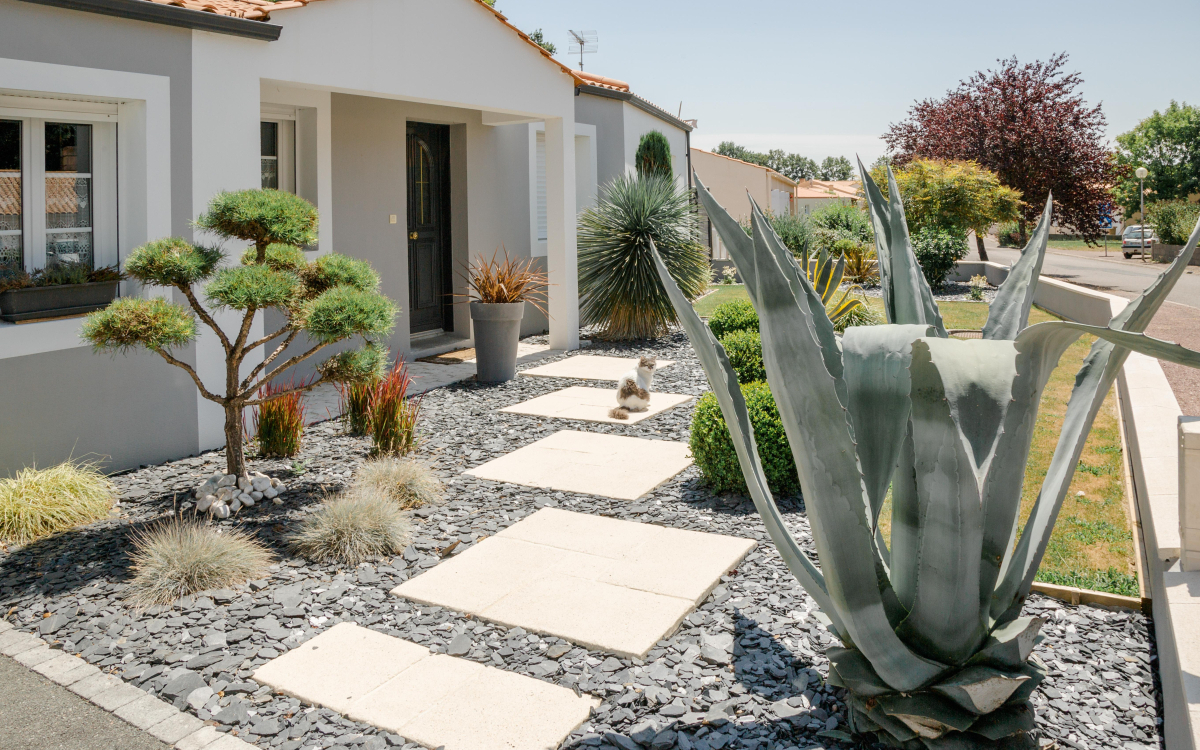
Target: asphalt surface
x=37 y=714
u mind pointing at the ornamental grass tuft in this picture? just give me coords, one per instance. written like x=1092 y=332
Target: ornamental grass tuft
x=356 y=406
x=39 y=502
x=182 y=557
x=279 y=422
x=408 y=483
x=352 y=527
x=393 y=414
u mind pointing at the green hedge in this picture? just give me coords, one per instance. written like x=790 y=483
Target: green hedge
x=744 y=349
x=737 y=315
x=712 y=447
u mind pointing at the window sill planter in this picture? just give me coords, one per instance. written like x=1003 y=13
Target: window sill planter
x=497 y=332
x=39 y=302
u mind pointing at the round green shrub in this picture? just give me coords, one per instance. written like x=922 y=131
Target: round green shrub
x=938 y=251
x=712 y=447
x=738 y=315
x=744 y=349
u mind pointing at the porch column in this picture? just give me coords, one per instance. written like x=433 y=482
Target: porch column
x=561 y=260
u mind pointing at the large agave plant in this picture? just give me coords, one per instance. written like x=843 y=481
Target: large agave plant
x=935 y=652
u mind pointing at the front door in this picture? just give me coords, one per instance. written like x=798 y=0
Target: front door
x=429 y=271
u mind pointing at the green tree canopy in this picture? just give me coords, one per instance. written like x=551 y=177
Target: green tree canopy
x=836 y=168
x=1167 y=144
x=792 y=166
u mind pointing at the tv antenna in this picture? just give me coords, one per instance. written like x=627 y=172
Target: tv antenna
x=583 y=42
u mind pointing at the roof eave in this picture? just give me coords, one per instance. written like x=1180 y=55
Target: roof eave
x=642 y=104
x=170 y=15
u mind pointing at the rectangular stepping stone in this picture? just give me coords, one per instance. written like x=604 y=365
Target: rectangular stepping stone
x=592 y=405
x=617 y=586
x=590 y=367
x=434 y=700
x=595 y=463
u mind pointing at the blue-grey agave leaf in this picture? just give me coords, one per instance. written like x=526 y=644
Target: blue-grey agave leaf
x=1099 y=370
x=906 y=295
x=737 y=242
x=1008 y=314
x=981 y=689
x=818 y=428
x=733 y=406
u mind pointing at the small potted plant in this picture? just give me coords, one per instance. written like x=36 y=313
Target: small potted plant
x=499 y=290
x=58 y=291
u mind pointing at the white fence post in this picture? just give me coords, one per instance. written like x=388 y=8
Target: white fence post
x=1189 y=492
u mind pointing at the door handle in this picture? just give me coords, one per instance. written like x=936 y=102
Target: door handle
x=412 y=235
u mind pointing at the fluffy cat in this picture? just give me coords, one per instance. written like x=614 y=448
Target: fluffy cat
x=633 y=389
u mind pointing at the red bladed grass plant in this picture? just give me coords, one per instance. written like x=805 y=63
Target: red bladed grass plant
x=507 y=280
x=356 y=406
x=393 y=413
x=279 y=419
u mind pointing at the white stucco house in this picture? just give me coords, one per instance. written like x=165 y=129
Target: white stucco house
x=730 y=181
x=426 y=133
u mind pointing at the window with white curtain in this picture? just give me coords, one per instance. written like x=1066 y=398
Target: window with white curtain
x=541 y=186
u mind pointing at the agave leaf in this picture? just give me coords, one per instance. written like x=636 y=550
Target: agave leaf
x=844 y=306
x=906 y=295
x=906 y=523
x=874 y=714
x=1006 y=722
x=736 y=240
x=1036 y=671
x=1009 y=312
x=853 y=671
x=1138 y=342
x=1010 y=645
x=980 y=690
x=928 y=714
x=733 y=406
x=794 y=330
x=1091 y=386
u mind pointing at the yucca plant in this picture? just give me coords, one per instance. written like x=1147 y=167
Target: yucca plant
x=618 y=288
x=934 y=650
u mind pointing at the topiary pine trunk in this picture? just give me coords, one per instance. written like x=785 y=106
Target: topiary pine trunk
x=235 y=456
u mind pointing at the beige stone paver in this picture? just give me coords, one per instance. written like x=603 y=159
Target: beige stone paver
x=435 y=700
x=590 y=367
x=607 y=584
x=592 y=405
x=595 y=463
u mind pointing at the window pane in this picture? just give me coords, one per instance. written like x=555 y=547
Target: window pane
x=270 y=172
x=10 y=194
x=270 y=138
x=68 y=194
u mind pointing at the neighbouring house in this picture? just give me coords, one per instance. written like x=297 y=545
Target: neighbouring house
x=811 y=195
x=729 y=180
x=408 y=123
x=618 y=119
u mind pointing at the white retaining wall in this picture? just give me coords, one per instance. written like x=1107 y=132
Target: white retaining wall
x=1151 y=420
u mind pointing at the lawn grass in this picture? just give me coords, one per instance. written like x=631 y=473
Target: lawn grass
x=719 y=293
x=1114 y=243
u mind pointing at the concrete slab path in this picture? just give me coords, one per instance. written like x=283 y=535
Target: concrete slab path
x=589 y=367
x=592 y=405
x=595 y=463
x=617 y=586
x=432 y=699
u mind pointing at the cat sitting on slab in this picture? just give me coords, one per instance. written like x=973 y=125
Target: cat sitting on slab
x=633 y=389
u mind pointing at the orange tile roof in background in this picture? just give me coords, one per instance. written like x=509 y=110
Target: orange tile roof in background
x=602 y=81
x=260 y=10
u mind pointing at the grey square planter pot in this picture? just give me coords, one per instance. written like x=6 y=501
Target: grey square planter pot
x=497 y=332
x=55 y=301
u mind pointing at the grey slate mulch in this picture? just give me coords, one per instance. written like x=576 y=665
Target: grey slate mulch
x=745 y=670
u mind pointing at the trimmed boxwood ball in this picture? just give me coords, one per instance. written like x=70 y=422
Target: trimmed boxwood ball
x=738 y=315
x=712 y=448
x=744 y=349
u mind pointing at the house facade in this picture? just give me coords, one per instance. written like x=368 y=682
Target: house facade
x=811 y=195
x=730 y=180
x=417 y=154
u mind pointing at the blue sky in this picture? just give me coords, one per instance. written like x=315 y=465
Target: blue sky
x=826 y=78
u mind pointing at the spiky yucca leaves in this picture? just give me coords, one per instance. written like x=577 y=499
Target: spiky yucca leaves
x=409 y=483
x=352 y=527
x=180 y=557
x=936 y=652
x=619 y=290
x=39 y=502
x=331 y=299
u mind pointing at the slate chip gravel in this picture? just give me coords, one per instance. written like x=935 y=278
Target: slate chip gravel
x=745 y=670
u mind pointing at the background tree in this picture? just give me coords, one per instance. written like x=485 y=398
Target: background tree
x=537 y=38
x=956 y=197
x=1168 y=144
x=1029 y=125
x=836 y=168
x=792 y=166
x=653 y=154
x=734 y=151
x=330 y=299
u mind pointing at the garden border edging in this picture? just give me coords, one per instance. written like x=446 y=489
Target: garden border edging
x=1149 y=415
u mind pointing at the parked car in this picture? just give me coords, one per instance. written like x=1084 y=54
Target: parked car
x=1133 y=242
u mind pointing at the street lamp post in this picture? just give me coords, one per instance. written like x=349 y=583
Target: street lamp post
x=1141 y=175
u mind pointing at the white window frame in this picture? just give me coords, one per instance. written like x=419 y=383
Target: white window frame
x=285 y=144
x=33 y=118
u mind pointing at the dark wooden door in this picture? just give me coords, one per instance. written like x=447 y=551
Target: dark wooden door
x=429 y=271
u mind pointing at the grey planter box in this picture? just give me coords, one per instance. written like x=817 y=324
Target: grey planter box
x=62 y=301
x=497 y=333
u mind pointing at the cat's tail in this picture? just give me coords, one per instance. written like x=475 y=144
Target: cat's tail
x=619 y=412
